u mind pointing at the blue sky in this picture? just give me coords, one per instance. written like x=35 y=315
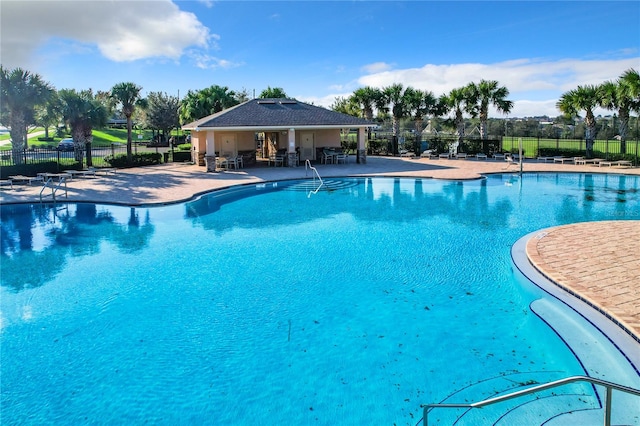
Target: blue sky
x=319 y=50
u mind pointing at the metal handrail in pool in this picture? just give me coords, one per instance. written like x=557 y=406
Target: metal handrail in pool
x=610 y=386
x=49 y=184
x=307 y=164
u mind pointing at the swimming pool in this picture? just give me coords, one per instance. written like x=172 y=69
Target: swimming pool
x=267 y=304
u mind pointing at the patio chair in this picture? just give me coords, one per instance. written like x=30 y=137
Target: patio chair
x=327 y=156
x=341 y=156
x=222 y=163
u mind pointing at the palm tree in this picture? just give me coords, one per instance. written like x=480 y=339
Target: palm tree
x=127 y=95
x=82 y=111
x=420 y=104
x=487 y=92
x=459 y=101
x=393 y=98
x=202 y=103
x=583 y=98
x=366 y=98
x=623 y=96
x=21 y=91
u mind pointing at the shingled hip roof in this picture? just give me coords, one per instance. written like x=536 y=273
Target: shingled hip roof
x=276 y=113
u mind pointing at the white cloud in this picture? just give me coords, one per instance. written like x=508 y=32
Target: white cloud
x=204 y=61
x=535 y=85
x=121 y=30
x=376 y=67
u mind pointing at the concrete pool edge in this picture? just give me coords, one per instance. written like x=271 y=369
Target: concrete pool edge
x=625 y=341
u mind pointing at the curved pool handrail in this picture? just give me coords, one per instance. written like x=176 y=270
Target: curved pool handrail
x=609 y=386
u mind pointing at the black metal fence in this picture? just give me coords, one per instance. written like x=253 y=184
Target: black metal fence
x=35 y=160
x=533 y=147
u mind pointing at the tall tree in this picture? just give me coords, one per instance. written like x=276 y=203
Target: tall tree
x=366 y=98
x=201 y=103
x=20 y=91
x=458 y=102
x=624 y=97
x=127 y=96
x=345 y=106
x=583 y=98
x=487 y=93
x=50 y=113
x=420 y=104
x=162 y=112
x=395 y=101
x=82 y=111
x=273 y=92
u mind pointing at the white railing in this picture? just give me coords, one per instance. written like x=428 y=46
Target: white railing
x=307 y=165
x=54 y=188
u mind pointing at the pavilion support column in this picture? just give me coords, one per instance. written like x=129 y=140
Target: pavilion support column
x=361 y=157
x=210 y=153
x=291 y=151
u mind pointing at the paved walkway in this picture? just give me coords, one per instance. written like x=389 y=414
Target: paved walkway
x=597 y=261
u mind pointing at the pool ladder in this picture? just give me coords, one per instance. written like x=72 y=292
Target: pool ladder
x=54 y=187
x=609 y=387
x=307 y=165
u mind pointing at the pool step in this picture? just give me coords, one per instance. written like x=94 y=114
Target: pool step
x=574 y=404
x=329 y=184
x=595 y=352
x=528 y=409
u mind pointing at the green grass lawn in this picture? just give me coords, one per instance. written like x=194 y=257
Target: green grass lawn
x=102 y=137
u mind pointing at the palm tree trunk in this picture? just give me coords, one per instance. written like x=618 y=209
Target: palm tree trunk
x=129 y=130
x=589 y=133
x=396 y=127
x=623 y=129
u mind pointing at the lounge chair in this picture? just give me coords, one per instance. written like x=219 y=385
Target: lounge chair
x=559 y=159
x=445 y=155
x=545 y=159
x=29 y=179
x=498 y=156
x=461 y=155
x=104 y=170
x=5 y=182
x=511 y=161
x=82 y=173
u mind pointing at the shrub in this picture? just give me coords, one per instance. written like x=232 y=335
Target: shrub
x=141 y=159
x=184 y=147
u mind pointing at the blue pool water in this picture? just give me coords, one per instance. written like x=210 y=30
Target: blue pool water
x=269 y=305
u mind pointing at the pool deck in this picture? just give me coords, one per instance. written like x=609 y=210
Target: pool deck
x=596 y=261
